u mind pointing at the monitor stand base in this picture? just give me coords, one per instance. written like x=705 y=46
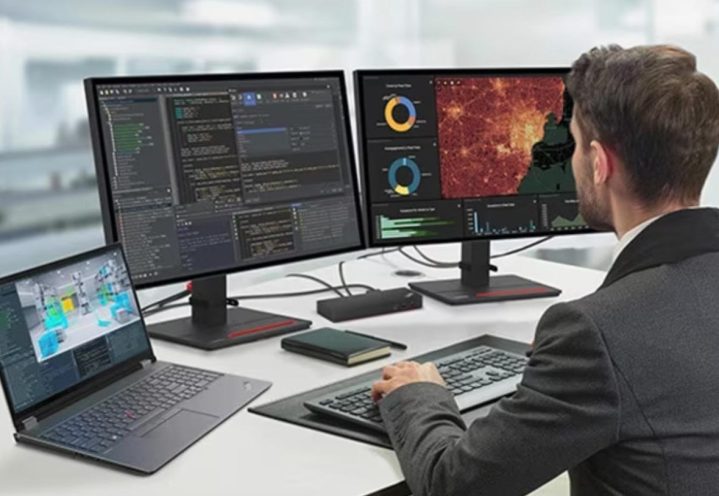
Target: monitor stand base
x=500 y=288
x=477 y=286
x=243 y=325
x=214 y=325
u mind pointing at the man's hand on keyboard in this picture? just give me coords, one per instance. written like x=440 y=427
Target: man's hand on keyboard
x=402 y=373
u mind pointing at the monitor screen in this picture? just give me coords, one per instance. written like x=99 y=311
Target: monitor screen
x=63 y=324
x=457 y=155
x=202 y=175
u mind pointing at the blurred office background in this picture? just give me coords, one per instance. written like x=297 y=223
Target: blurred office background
x=48 y=201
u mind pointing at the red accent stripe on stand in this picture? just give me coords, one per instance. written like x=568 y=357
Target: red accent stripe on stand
x=506 y=292
x=266 y=327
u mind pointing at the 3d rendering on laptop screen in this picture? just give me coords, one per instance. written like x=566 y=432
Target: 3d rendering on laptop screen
x=76 y=321
x=66 y=308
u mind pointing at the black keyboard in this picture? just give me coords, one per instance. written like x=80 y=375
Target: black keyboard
x=474 y=376
x=100 y=427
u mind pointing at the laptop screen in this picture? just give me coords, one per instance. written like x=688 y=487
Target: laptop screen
x=62 y=326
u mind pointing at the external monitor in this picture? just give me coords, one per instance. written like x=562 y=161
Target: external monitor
x=200 y=176
x=467 y=155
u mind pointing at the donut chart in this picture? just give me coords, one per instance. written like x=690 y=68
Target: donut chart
x=400 y=127
x=404 y=189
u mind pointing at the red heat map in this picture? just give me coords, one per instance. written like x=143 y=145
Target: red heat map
x=487 y=127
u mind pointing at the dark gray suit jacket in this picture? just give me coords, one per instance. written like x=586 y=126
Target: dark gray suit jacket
x=622 y=388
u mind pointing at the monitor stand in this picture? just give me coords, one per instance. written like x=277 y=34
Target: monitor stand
x=476 y=286
x=213 y=325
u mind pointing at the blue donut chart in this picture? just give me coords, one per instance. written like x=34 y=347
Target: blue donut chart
x=404 y=189
x=400 y=127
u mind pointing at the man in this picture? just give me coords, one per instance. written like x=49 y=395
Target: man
x=622 y=387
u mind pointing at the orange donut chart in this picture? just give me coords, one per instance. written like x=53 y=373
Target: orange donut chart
x=400 y=127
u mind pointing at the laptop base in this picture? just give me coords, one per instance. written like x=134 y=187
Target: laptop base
x=158 y=438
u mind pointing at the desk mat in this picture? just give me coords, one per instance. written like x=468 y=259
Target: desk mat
x=292 y=410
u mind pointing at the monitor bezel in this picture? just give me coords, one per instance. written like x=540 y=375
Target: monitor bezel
x=359 y=75
x=83 y=388
x=105 y=189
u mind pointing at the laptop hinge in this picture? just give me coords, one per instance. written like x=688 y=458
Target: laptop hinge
x=29 y=423
x=146 y=363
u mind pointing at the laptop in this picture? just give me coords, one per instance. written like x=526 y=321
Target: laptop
x=80 y=376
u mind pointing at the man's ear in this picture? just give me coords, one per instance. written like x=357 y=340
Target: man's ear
x=602 y=162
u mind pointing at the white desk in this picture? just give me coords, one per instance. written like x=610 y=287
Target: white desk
x=254 y=455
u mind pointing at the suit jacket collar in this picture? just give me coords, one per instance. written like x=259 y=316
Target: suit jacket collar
x=669 y=239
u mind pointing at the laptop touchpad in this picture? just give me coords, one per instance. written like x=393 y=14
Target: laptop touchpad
x=182 y=422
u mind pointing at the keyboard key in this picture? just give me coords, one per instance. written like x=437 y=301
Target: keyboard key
x=103 y=425
x=90 y=443
x=76 y=441
x=141 y=420
x=179 y=389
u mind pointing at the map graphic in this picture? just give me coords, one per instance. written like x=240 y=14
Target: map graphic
x=503 y=136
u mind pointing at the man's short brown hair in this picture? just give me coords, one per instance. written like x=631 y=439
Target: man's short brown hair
x=655 y=111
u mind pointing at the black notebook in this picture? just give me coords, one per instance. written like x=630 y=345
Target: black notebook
x=336 y=346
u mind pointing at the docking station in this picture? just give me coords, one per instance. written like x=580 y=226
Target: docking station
x=369 y=304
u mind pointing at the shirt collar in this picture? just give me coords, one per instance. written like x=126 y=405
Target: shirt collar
x=631 y=234
x=668 y=239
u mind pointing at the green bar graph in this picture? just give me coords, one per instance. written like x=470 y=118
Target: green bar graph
x=411 y=227
x=561 y=222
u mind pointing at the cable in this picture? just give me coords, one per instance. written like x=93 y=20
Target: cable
x=343 y=281
x=342 y=278
x=334 y=288
x=261 y=296
x=147 y=313
x=426 y=264
x=164 y=301
x=384 y=251
x=300 y=293
x=320 y=281
x=436 y=262
x=165 y=304
x=522 y=248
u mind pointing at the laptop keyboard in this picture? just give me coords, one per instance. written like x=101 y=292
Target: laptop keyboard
x=100 y=427
x=473 y=376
